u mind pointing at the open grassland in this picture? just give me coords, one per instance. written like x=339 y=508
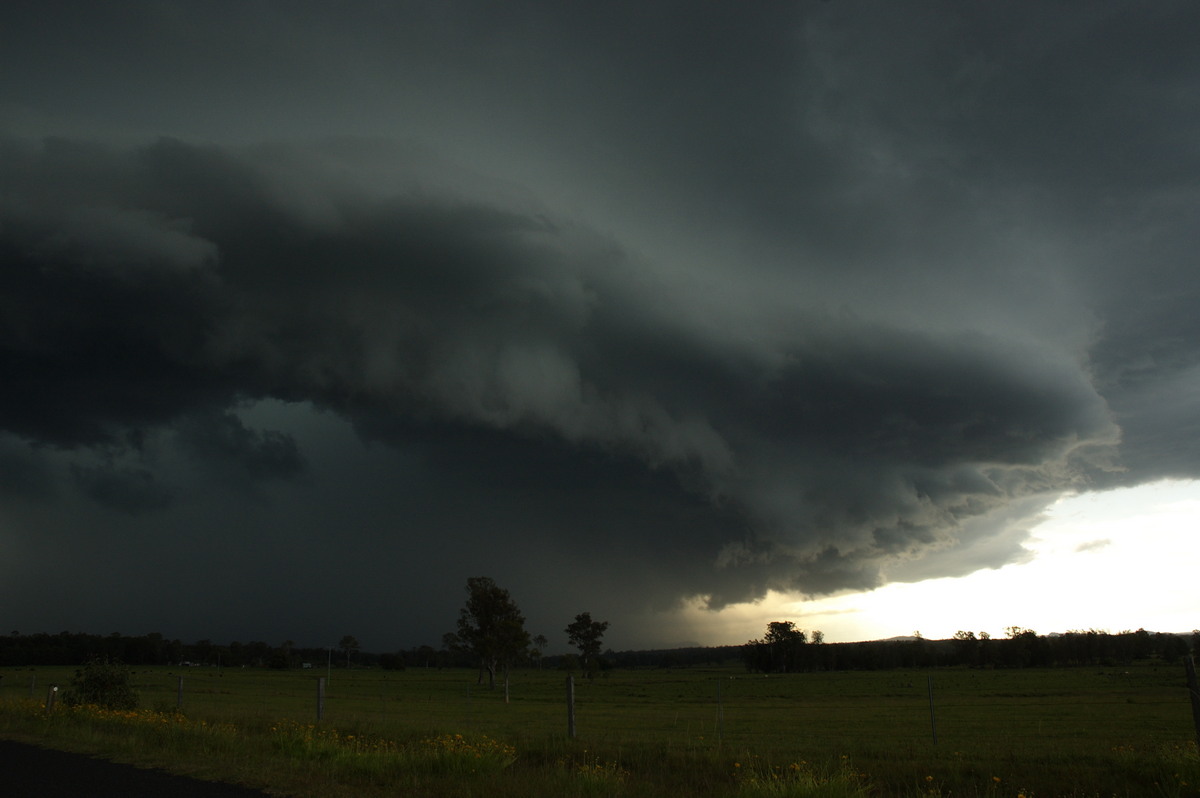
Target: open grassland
x=693 y=732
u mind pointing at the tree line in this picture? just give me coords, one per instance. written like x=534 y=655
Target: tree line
x=490 y=633
x=491 y=637
x=77 y=648
x=786 y=649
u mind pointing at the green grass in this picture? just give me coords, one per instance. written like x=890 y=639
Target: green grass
x=1063 y=732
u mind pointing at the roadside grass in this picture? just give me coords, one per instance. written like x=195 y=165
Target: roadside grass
x=694 y=732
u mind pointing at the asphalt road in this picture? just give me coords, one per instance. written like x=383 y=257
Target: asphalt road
x=27 y=771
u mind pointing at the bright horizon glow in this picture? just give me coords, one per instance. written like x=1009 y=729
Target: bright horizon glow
x=1111 y=561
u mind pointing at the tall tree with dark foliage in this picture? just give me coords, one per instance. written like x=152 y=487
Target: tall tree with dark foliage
x=586 y=634
x=492 y=628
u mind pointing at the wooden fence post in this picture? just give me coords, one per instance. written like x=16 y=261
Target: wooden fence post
x=932 y=716
x=1194 y=692
x=720 y=714
x=571 y=706
x=320 y=698
x=179 y=695
x=51 y=695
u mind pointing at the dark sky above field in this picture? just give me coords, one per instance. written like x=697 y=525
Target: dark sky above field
x=310 y=311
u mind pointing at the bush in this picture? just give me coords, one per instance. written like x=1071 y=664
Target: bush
x=103 y=683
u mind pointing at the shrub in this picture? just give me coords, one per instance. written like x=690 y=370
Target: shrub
x=103 y=683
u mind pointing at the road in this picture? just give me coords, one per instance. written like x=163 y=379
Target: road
x=27 y=771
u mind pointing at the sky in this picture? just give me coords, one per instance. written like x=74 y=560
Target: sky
x=692 y=316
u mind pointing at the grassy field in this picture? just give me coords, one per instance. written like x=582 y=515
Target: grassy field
x=693 y=732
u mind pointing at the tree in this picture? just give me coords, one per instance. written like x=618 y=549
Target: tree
x=585 y=634
x=281 y=659
x=203 y=651
x=426 y=656
x=348 y=644
x=966 y=647
x=539 y=649
x=780 y=650
x=1022 y=648
x=491 y=628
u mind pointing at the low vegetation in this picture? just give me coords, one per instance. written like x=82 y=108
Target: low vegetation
x=102 y=683
x=680 y=732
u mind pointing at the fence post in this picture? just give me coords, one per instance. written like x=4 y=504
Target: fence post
x=320 y=698
x=51 y=694
x=1194 y=692
x=179 y=696
x=720 y=714
x=932 y=716
x=571 y=706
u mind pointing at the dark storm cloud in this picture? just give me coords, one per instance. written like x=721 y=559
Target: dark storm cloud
x=809 y=296
x=846 y=444
x=129 y=490
x=23 y=473
x=240 y=452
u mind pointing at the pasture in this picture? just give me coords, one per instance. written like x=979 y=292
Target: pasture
x=1123 y=731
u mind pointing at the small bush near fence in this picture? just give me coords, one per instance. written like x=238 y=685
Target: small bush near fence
x=102 y=683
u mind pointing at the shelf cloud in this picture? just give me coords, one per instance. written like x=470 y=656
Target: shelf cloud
x=623 y=308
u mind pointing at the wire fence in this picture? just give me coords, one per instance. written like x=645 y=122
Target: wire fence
x=1084 y=709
